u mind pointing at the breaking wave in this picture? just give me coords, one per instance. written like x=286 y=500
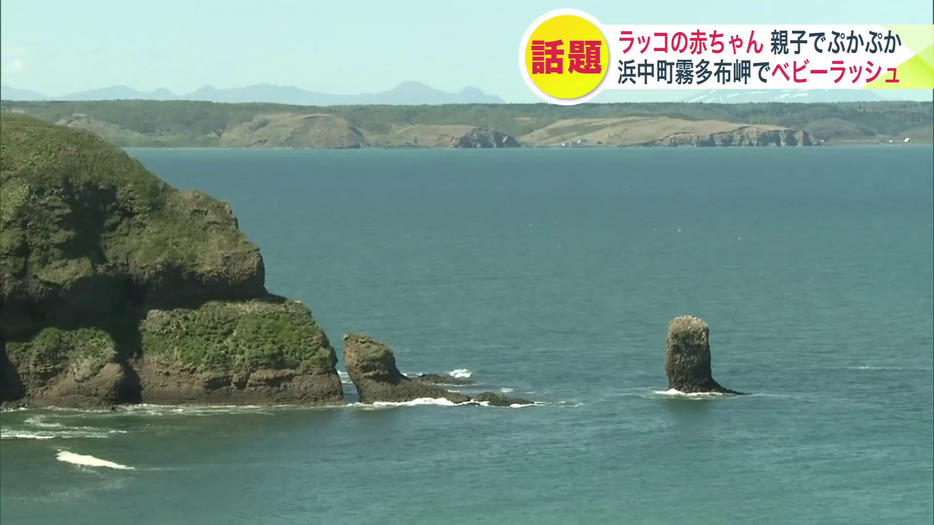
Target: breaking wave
x=422 y=401
x=36 y=427
x=888 y=368
x=89 y=461
x=65 y=433
x=18 y=434
x=428 y=401
x=39 y=421
x=514 y=405
x=197 y=410
x=460 y=373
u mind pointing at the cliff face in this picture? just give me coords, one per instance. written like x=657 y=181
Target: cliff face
x=110 y=279
x=745 y=136
x=443 y=136
x=483 y=138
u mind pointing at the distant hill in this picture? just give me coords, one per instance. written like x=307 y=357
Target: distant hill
x=130 y=123
x=120 y=93
x=11 y=93
x=758 y=96
x=407 y=93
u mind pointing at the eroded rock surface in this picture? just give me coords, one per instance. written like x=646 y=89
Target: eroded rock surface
x=371 y=366
x=442 y=379
x=687 y=357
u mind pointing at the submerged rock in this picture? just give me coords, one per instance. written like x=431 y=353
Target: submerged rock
x=371 y=366
x=442 y=379
x=499 y=400
x=687 y=358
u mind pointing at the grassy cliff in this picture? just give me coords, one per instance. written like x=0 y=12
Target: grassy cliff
x=104 y=267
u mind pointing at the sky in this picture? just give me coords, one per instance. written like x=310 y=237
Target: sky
x=58 y=47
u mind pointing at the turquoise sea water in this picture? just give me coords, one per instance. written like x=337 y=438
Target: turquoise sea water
x=553 y=273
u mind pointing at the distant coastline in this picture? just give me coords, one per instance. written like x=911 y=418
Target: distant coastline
x=187 y=124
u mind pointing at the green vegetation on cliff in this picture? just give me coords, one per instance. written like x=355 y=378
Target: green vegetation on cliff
x=242 y=335
x=74 y=207
x=112 y=281
x=130 y=123
x=87 y=350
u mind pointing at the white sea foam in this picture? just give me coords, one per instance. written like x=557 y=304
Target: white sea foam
x=19 y=434
x=37 y=427
x=886 y=368
x=39 y=421
x=460 y=373
x=696 y=395
x=428 y=401
x=195 y=410
x=89 y=461
x=422 y=401
x=506 y=390
x=75 y=433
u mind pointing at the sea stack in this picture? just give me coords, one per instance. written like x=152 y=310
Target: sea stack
x=687 y=358
x=371 y=366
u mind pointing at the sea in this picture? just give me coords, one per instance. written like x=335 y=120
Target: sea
x=551 y=275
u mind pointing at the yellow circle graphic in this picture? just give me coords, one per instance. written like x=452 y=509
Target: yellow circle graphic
x=567 y=56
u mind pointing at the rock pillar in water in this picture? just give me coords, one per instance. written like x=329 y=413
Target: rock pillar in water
x=687 y=358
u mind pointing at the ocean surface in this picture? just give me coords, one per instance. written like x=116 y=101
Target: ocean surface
x=552 y=275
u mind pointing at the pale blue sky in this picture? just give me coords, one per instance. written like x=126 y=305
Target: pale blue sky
x=59 y=46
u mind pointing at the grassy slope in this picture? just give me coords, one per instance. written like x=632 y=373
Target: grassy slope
x=293 y=130
x=181 y=123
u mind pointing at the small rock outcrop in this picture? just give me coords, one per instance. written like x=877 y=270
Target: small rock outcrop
x=499 y=400
x=442 y=379
x=687 y=357
x=483 y=138
x=371 y=366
